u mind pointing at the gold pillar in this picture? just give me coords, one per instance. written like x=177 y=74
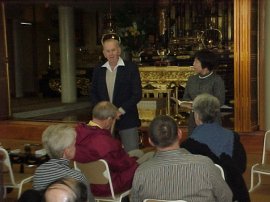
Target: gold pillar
x=245 y=66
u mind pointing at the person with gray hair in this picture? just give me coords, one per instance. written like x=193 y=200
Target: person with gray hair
x=95 y=141
x=222 y=145
x=175 y=174
x=59 y=143
x=206 y=108
x=104 y=113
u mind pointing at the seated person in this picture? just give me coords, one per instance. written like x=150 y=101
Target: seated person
x=222 y=145
x=175 y=174
x=66 y=189
x=59 y=142
x=204 y=81
x=94 y=142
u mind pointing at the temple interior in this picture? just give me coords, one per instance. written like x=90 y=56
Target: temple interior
x=160 y=36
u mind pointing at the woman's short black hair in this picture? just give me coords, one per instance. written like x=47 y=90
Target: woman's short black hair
x=207 y=58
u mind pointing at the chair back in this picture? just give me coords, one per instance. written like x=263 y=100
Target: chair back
x=96 y=172
x=221 y=171
x=9 y=180
x=266 y=146
x=7 y=167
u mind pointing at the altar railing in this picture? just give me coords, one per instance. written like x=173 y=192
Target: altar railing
x=165 y=77
x=161 y=83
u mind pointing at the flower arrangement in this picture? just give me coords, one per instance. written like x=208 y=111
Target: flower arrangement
x=135 y=25
x=132 y=38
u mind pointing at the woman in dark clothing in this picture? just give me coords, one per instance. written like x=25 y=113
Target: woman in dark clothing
x=223 y=146
x=205 y=81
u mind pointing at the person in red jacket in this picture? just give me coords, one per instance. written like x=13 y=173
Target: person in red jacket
x=94 y=141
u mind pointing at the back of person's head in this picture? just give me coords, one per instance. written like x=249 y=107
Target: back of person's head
x=163 y=131
x=66 y=190
x=56 y=138
x=207 y=58
x=207 y=107
x=104 y=110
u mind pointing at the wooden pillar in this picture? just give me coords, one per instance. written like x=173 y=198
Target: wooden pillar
x=4 y=77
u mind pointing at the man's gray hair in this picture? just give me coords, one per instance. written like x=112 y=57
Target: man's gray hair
x=207 y=107
x=56 y=138
x=104 y=110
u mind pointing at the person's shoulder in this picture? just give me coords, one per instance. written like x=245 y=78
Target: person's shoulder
x=193 y=77
x=99 y=66
x=130 y=64
x=100 y=63
x=44 y=167
x=217 y=77
x=225 y=131
x=147 y=165
x=230 y=132
x=198 y=159
x=201 y=162
x=236 y=135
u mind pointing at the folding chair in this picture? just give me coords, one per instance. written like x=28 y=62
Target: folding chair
x=221 y=170
x=9 y=179
x=97 y=172
x=262 y=168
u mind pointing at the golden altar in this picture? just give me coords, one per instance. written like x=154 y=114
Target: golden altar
x=165 y=77
x=161 y=83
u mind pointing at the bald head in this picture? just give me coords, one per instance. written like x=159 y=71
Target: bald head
x=66 y=189
x=59 y=193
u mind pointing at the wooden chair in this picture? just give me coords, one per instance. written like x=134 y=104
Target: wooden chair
x=9 y=179
x=98 y=172
x=262 y=168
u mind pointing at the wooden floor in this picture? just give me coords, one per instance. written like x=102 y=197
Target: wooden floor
x=15 y=133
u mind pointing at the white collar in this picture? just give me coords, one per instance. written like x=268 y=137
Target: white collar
x=119 y=63
x=204 y=77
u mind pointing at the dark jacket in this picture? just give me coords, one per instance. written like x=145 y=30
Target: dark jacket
x=127 y=92
x=233 y=166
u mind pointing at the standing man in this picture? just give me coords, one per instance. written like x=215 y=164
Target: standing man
x=119 y=82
